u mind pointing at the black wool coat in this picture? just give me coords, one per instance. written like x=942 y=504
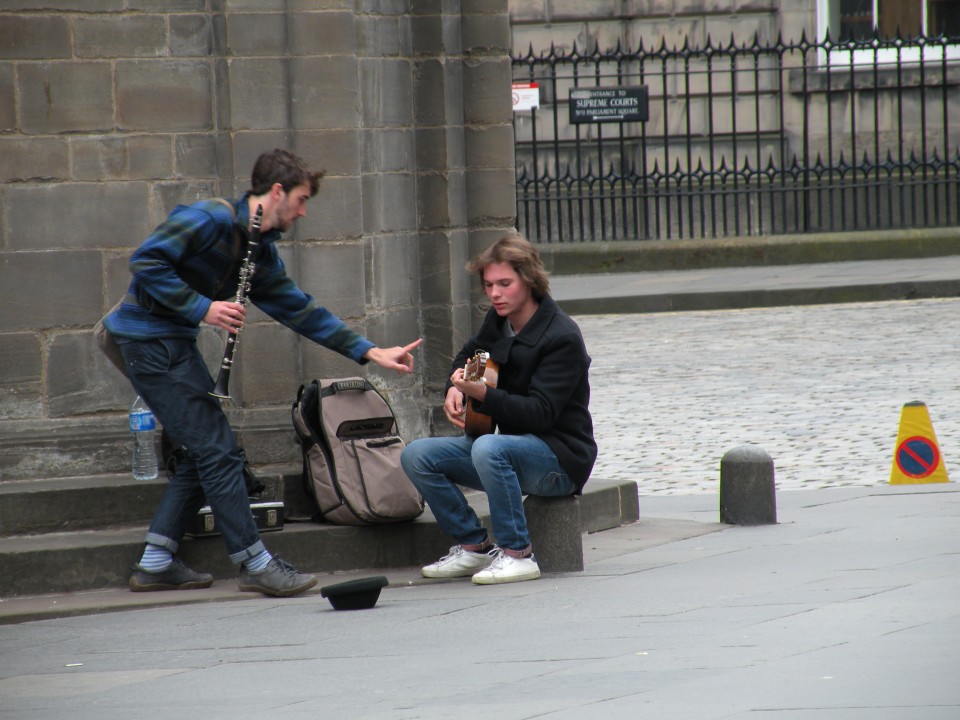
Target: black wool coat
x=543 y=386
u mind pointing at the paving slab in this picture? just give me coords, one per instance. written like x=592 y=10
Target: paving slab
x=841 y=610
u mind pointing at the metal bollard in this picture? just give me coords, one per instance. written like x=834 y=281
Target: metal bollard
x=747 y=488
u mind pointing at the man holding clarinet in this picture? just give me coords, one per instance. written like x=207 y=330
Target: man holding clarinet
x=190 y=271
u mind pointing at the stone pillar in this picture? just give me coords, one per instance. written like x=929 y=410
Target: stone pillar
x=747 y=488
x=555 y=532
x=111 y=117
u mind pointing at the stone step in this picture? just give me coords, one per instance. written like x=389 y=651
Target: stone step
x=108 y=500
x=88 y=559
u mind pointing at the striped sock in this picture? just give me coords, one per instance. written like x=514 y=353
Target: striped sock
x=155 y=558
x=258 y=563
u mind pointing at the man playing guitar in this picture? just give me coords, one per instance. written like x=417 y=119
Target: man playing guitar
x=538 y=399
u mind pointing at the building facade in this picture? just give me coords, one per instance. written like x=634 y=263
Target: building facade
x=114 y=111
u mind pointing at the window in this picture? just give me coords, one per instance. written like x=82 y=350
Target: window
x=857 y=19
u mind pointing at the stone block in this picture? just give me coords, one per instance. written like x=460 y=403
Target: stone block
x=256 y=34
x=389 y=202
x=195 y=156
x=491 y=194
x=323 y=33
x=120 y=36
x=118 y=277
x=49 y=289
x=386 y=88
x=164 y=95
x=334 y=274
x=529 y=11
x=319 y=362
x=486 y=34
x=337 y=152
x=20 y=388
x=386 y=150
x=596 y=10
x=63 y=447
x=32 y=225
x=66 y=97
x=167 y=6
x=167 y=195
x=429 y=92
x=443 y=279
x=747 y=487
x=258 y=94
x=80 y=379
x=336 y=211
x=191 y=36
x=67 y=5
x=441 y=199
x=393 y=271
x=427 y=32
x=445 y=331
x=486 y=100
x=267 y=5
x=481 y=7
x=324 y=92
x=26 y=159
x=378 y=36
x=397 y=326
x=490 y=146
x=427 y=7
x=440 y=149
x=8 y=107
x=610 y=507
x=453 y=87
x=125 y=157
x=245 y=147
x=35 y=37
x=554 y=525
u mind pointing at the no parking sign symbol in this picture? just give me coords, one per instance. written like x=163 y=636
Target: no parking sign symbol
x=916 y=457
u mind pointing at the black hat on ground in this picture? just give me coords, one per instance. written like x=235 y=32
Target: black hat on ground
x=359 y=594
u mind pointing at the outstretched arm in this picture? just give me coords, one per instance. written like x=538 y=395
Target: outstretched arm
x=395 y=358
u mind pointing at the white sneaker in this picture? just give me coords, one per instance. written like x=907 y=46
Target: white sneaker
x=506 y=569
x=460 y=563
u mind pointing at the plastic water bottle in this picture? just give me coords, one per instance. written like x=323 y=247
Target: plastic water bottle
x=143 y=426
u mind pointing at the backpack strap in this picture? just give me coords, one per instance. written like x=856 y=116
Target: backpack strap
x=238 y=245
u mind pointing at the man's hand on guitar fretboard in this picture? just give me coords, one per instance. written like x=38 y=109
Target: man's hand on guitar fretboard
x=478 y=374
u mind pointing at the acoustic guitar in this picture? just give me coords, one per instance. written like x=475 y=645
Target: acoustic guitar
x=479 y=367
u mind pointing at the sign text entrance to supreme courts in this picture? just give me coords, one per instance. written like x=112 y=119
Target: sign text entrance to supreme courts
x=609 y=104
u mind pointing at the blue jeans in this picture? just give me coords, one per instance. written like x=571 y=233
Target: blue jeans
x=505 y=467
x=172 y=377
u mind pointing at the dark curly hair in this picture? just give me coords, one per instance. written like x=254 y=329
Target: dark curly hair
x=282 y=166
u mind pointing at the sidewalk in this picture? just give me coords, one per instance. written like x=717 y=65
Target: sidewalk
x=844 y=610
x=762 y=286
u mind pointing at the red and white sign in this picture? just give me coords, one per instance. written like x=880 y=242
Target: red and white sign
x=526 y=96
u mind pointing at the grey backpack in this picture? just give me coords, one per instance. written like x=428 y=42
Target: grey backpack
x=351 y=454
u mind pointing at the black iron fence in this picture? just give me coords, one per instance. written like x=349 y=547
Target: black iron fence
x=749 y=139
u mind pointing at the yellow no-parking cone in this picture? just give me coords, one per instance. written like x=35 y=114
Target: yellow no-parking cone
x=916 y=458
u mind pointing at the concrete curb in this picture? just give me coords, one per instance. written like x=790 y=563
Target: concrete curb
x=658 y=255
x=743 y=299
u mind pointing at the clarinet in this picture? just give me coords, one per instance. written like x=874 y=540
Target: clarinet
x=220 y=389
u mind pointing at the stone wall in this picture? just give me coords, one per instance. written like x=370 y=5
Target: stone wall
x=114 y=111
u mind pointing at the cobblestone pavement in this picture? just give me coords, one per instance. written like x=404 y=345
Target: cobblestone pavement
x=820 y=388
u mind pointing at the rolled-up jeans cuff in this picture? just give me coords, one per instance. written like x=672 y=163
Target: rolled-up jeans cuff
x=164 y=542
x=251 y=552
